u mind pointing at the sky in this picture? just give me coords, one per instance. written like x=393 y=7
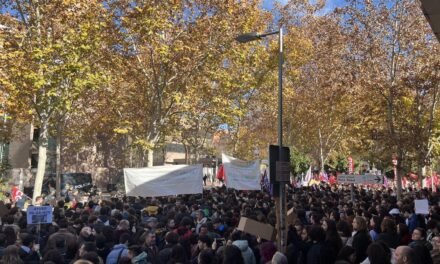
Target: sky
x=330 y=6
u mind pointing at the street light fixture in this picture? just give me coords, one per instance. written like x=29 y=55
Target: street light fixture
x=247 y=37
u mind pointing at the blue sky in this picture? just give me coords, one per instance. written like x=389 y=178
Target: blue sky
x=330 y=6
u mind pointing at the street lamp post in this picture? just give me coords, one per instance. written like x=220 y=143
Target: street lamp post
x=247 y=37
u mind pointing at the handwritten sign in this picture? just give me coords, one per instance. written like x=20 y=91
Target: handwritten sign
x=39 y=215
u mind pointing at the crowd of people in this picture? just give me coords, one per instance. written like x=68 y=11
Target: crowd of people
x=328 y=225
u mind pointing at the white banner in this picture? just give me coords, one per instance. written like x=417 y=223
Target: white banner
x=241 y=175
x=163 y=180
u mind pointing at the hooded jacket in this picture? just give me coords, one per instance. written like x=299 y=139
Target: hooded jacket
x=246 y=252
x=140 y=259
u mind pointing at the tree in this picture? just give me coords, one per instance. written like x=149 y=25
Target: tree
x=390 y=43
x=170 y=48
x=49 y=61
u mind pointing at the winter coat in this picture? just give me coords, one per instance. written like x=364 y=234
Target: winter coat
x=361 y=241
x=118 y=251
x=246 y=252
x=140 y=259
x=392 y=240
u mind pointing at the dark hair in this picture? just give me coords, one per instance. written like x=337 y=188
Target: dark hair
x=388 y=225
x=89 y=247
x=407 y=209
x=172 y=238
x=124 y=238
x=317 y=234
x=62 y=223
x=422 y=232
x=377 y=223
x=420 y=252
x=11 y=236
x=232 y=255
x=345 y=228
x=332 y=236
x=345 y=253
x=206 y=239
x=53 y=255
x=178 y=254
x=403 y=229
x=135 y=249
x=92 y=257
x=379 y=253
x=27 y=239
x=207 y=257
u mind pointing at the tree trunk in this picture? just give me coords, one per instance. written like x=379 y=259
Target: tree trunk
x=321 y=151
x=58 y=162
x=150 y=153
x=42 y=156
x=399 y=180
x=186 y=153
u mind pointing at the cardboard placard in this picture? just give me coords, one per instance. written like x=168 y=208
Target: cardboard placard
x=422 y=206
x=291 y=217
x=39 y=215
x=256 y=228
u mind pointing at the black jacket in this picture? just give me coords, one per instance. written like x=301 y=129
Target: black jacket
x=361 y=241
x=29 y=258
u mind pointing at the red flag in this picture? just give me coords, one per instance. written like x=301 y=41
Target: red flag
x=16 y=194
x=220 y=173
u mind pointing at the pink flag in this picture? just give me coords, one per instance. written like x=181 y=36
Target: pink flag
x=385 y=181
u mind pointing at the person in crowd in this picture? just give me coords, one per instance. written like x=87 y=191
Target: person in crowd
x=200 y=220
x=378 y=253
x=232 y=255
x=347 y=255
x=411 y=219
x=333 y=242
x=239 y=241
x=11 y=255
x=405 y=255
x=118 y=251
x=279 y=258
x=150 y=247
x=206 y=256
x=375 y=230
x=389 y=233
x=361 y=238
x=422 y=254
x=137 y=255
x=171 y=240
x=344 y=230
x=317 y=236
x=404 y=235
x=26 y=251
x=419 y=238
x=53 y=256
x=61 y=238
x=435 y=252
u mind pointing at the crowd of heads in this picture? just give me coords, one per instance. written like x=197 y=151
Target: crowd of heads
x=328 y=224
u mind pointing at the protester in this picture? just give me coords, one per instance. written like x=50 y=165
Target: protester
x=405 y=255
x=361 y=238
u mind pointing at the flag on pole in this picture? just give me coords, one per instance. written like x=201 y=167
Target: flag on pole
x=265 y=183
x=323 y=176
x=308 y=177
x=385 y=181
x=16 y=194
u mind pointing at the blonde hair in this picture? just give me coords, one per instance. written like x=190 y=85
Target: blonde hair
x=361 y=223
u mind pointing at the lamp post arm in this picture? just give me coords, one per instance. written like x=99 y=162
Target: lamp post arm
x=262 y=35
